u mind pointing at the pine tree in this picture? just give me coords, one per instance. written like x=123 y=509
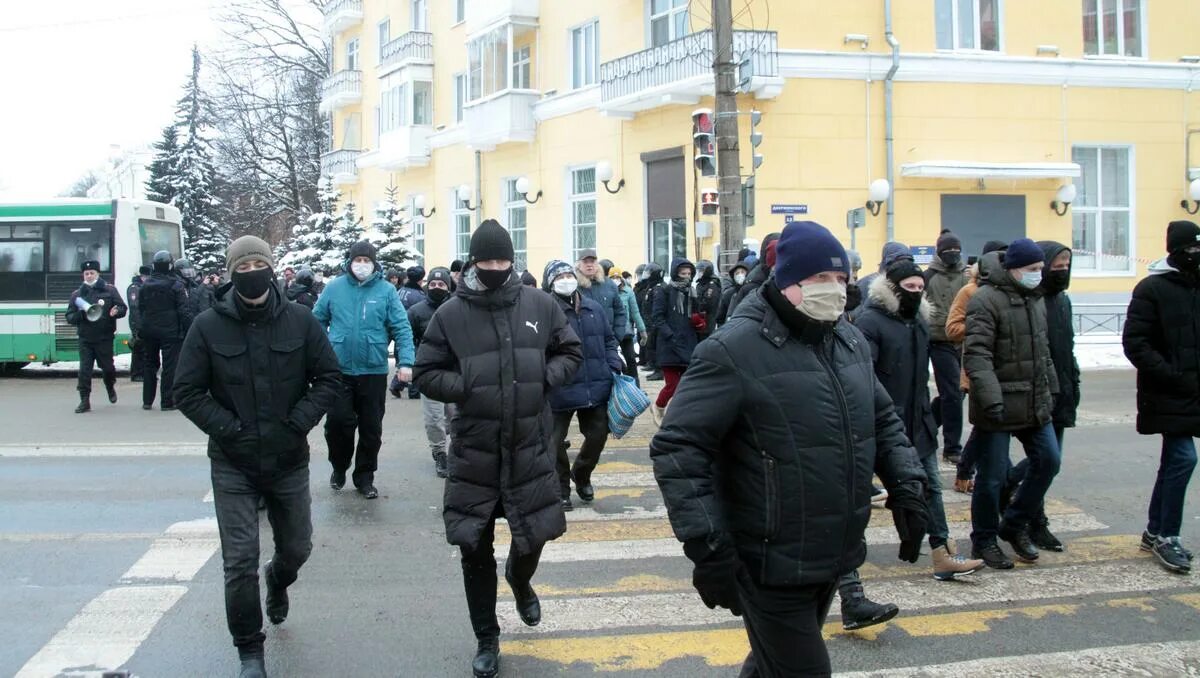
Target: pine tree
x=322 y=239
x=159 y=186
x=388 y=232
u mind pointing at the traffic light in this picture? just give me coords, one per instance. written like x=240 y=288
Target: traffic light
x=756 y=138
x=705 y=141
x=709 y=202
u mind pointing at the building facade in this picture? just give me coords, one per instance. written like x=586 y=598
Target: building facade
x=981 y=113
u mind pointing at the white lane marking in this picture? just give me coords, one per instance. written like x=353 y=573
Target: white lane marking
x=106 y=633
x=208 y=498
x=71 y=450
x=575 y=552
x=178 y=555
x=989 y=588
x=632 y=479
x=1148 y=659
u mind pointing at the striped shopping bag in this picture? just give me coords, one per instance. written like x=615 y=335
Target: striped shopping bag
x=625 y=403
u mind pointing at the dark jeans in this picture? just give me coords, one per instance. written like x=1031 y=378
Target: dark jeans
x=235 y=497
x=651 y=361
x=1017 y=475
x=359 y=406
x=784 y=625
x=630 y=360
x=170 y=355
x=1174 y=471
x=947 y=370
x=91 y=354
x=593 y=424
x=479 y=577
x=137 y=360
x=966 y=462
x=993 y=469
x=939 y=531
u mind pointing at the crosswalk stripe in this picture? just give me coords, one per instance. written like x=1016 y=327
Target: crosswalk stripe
x=163 y=449
x=990 y=588
x=177 y=555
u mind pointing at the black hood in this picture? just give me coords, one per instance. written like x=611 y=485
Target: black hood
x=1052 y=249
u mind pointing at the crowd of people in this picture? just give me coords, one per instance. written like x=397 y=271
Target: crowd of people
x=789 y=385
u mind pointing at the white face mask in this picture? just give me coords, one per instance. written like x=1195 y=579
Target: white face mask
x=1031 y=279
x=362 y=271
x=90 y=283
x=565 y=287
x=823 y=301
x=740 y=278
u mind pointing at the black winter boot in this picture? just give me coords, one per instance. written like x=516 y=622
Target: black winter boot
x=1017 y=537
x=112 y=391
x=277 y=597
x=528 y=605
x=85 y=403
x=487 y=659
x=860 y=612
x=253 y=666
x=1042 y=537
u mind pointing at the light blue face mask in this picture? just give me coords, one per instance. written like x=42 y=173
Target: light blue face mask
x=1031 y=279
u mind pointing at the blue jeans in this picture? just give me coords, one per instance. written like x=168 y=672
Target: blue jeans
x=947 y=370
x=1017 y=475
x=1041 y=448
x=939 y=532
x=1174 y=471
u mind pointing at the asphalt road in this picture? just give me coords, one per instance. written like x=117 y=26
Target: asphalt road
x=108 y=558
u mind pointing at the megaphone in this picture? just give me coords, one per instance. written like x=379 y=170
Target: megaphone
x=91 y=311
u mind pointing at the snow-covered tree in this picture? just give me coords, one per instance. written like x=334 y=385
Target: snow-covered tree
x=389 y=232
x=159 y=185
x=322 y=239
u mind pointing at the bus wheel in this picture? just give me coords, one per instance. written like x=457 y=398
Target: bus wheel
x=10 y=369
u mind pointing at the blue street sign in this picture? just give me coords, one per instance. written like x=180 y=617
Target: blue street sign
x=923 y=254
x=789 y=218
x=789 y=209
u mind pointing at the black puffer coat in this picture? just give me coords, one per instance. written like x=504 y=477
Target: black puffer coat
x=199 y=297
x=675 y=336
x=1162 y=340
x=496 y=355
x=1007 y=354
x=164 y=313
x=106 y=326
x=900 y=349
x=257 y=388
x=1060 y=328
x=790 y=483
x=758 y=275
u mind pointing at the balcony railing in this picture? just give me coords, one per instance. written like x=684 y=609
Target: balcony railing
x=341 y=166
x=342 y=14
x=341 y=89
x=681 y=71
x=412 y=46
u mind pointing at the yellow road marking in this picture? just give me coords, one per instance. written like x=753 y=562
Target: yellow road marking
x=622 y=467
x=1131 y=603
x=1190 y=599
x=629 y=492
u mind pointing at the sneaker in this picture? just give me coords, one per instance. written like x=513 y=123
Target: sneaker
x=878 y=495
x=1172 y=555
x=952 y=458
x=656 y=375
x=859 y=612
x=567 y=505
x=337 y=480
x=1149 y=540
x=657 y=413
x=1018 y=539
x=992 y=556
x=368 y=491
x=947 y=566
x=1044 y=539
x=147 y=407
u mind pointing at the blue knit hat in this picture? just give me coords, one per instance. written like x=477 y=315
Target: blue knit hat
x=805 y=249
x=1023 y=252
x=554 y=269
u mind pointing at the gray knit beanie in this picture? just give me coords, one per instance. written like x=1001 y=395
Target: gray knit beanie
x=247 y=248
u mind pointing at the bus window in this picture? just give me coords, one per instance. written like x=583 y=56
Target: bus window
x=158 y=235
x=28 y=231
x=71 y=244
x=21 y=257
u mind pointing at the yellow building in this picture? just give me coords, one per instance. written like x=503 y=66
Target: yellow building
x=996 y=106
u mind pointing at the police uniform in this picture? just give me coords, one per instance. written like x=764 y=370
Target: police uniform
x=95 y=336
x=136 y=350
x=163 y=317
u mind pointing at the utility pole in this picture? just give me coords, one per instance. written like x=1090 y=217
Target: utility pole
x=729 y=181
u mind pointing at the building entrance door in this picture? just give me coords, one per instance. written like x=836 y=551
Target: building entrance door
x=977 y=219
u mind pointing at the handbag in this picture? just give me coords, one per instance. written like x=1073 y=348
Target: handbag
x=625 y=403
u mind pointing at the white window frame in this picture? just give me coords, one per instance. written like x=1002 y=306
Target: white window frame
x=457 y=213
x=428 y=117
x=352 y=55
x=522 y=68
x=513 y=203
x=500 y=63
x=955 y=38
x=460 y=95
x=418 y=228
x=670 y=14
x=385 y=35
x=592 y=75
x=460 y=11
x=1099 y=209
x=1143 y=25
x=419 y=15
x=572 y=245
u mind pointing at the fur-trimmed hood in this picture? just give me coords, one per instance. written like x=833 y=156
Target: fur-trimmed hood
x=882 y=293
x=586 y=282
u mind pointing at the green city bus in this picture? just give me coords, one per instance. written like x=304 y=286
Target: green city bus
x=43 y=244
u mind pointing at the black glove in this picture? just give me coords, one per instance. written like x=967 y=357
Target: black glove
x=715 y=573
x=911 y=516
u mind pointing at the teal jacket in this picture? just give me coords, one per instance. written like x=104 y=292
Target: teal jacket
x=362 y=319
x=635 y=317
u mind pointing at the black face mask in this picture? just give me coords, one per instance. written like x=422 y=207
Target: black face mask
x=1056 y=281
x=1185 y=261
x=950 y=258
x=909 y=302
x=438 y=295
x=252 y=284
x=493 y=279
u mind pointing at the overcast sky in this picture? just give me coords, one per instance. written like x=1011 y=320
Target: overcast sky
x=80 y=75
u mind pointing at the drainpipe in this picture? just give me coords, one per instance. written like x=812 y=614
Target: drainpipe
x=478 y=188
x=887 y=115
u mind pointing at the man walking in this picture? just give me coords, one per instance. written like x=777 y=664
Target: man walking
x=256 y=375
x=411 y=292
x=785 y=472
x=137 y=353
x=708 y=297
x=595 y=286
x=164 y=316
x=944 y=278
x=363 y=315
x=1161 y=337
x=200 y=298
x=437 y=415
x=496 y=349
x=95 y=336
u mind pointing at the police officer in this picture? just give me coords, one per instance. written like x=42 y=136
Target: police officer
x=200 y=298
x=164 y=316
x=136 y=351
x=95 y=336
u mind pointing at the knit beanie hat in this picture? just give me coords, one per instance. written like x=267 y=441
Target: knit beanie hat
x=994 y=246
x=805 y=249
x=948 y=241
x=442 y=274
x=528 y=280
x=1181 y=234
x=248 y=248
x=902 y=269
x=554 y=269
x=415 y=273
x=456 y=266
x=1023 y=252
x=363 y=248
x=491 y=241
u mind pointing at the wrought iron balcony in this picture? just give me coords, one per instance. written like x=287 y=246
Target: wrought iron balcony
x=342 y=14
x=680 y=72
x=341 y=89
x=413 y=46
x=341 y=166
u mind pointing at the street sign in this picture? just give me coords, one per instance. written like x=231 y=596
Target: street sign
x=923 y=254
x=789 y=209
x=789 y=218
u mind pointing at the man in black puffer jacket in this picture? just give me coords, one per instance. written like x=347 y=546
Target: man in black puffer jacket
x=256 y=375
x=758 y=275
x=496 y=350
x=1162 y=340
x=436 y=415
x=200 y=298
x=95 y=337
x=772 y=500
x=649 y=285
x=164 y=316
x=300 y=291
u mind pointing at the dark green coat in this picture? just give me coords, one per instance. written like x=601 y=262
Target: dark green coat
x=942 y=284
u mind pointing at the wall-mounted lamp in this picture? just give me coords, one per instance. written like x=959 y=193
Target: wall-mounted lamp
x=863 y=40
x=1192 y=205
x=878 y=194
x=523 y=190
x=1190 y=59
x=465 y=195
x=604 y=173
x=419 y=205
x=1063 y=199
x=1050 y=50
